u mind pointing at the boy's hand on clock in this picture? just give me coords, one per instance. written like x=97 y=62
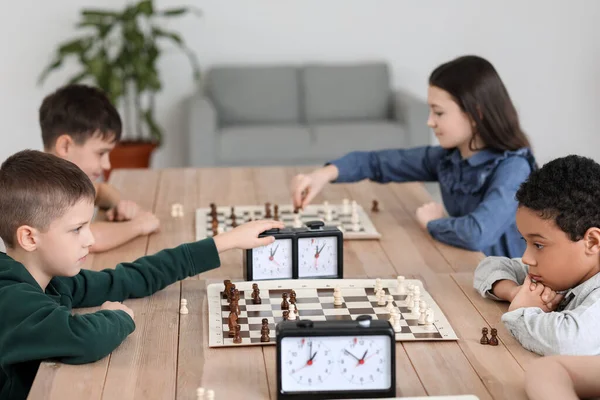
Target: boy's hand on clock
x=245 y=236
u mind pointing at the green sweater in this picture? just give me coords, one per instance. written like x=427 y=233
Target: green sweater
x=37 y=325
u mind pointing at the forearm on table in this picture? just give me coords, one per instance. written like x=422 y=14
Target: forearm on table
x=109 y=235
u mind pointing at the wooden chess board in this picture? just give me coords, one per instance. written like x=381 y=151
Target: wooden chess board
x=314 y=299
x=339 y=218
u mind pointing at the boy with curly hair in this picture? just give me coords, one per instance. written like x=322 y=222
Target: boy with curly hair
x=554 y=289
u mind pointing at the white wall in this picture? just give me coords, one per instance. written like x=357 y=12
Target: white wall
x=547 y=51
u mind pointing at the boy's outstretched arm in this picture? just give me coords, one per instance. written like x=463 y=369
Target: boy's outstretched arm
x=108 y=235
x=148 y=274
x=563 y=377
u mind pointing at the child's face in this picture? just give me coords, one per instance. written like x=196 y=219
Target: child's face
x=63 y=247
x=451 y=125
x=553 y=258
x=92 y=156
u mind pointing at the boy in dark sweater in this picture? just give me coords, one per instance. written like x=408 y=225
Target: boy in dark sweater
x=46 y=204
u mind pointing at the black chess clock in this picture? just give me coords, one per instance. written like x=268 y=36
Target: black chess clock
x=310 y=252
x=335 y=359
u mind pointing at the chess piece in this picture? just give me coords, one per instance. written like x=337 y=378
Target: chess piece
x=345 y=206
x=429 y=319
x=297 y=221
x=293 y=299
x=494 y=338
x=234 y=306
x=337 y=297
x=220 y=229
x=375 y=206
x=401 y=289
x=237 y=338
x=264 y=331
x=200 y=393
x=484 y=337
x=231 y=293
x=293 y=312
x=210 y=395
x=286 y=315
x=227 y=283
x=378 y=285
x=215 y=226
x=390 y=303
x=284 y=304
x=232 y=322
x=268 y=210
x=396 y=325
x=232 y=216
x=256 y=294
x=183 y=309
x=423 y=316
x=276 y=211
x=381 y=297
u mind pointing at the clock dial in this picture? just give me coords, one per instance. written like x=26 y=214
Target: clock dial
x=273 y=261
x=317 y=256
x=307 y=362
x=335 y=363
x=364 y=362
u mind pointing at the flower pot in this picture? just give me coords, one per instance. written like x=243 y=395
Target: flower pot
x=130 y=154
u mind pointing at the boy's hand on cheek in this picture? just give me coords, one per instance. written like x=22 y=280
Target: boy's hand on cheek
x=245 y=236
x=550 y=298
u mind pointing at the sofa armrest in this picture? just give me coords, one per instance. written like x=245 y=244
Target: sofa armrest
x=413 y=113
x=202 y=132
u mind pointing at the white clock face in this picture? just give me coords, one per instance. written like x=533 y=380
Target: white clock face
x=273 y=261
x=333 y=363
x=317 y=256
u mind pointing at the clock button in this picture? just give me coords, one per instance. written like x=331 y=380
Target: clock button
x=271 y=231
x=304 y=324
x=315 y=224
x=364 y=320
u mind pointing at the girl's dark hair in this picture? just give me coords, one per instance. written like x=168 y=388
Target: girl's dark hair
x=478 y=90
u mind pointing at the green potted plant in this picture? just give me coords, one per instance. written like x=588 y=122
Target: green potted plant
x=118 y=52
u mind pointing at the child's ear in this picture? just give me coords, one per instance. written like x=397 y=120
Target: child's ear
x=592 y=241
x=27 y=237
x=64 y=143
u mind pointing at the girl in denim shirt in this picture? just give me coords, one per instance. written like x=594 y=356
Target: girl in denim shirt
x=482 y=159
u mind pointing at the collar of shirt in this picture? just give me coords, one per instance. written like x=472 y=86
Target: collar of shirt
x=582 y=290
x=479 y=158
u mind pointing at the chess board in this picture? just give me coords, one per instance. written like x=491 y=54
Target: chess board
x=311 y=212
x=314 y=299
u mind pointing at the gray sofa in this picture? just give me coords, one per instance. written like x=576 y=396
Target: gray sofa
x=298 y=115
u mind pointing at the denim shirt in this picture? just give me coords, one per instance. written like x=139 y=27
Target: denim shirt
x=478 y=192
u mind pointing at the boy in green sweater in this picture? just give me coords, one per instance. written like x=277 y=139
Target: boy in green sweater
x=46 y=205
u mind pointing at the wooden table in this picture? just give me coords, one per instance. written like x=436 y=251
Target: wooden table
x=167 y=357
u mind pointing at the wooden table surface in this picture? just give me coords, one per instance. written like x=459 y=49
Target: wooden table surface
x=167 y=357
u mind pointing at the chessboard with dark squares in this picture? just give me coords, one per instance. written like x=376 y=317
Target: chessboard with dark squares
x=316 y=304
x=228 y=217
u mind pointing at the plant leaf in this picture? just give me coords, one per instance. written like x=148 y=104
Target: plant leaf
x=167 y=35
x=173 y=12
x=145 y=7
x=53 y=65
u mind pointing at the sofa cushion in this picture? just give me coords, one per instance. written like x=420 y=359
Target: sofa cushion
x=345 y=92
x=254 y=94
x=335 y=140
x=263 y=145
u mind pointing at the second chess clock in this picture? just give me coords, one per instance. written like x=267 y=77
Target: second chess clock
x=314 y=251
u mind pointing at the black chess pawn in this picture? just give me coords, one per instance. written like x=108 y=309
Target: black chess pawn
x=284 y=304
x=264 y=331
x=268 y=210
x=286 y=315
x=227 y=283
x=484 y=338
x=276 y=211
x=237 y=338
x=375 y=207
x=256 y=294
x=494 y=338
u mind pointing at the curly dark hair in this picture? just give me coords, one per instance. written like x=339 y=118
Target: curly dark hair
x=567 y=190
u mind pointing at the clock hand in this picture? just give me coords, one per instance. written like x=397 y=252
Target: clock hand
x=313 y=356
x=350 y=354
x=319 y=252
x=275 y=251
x=362 y=360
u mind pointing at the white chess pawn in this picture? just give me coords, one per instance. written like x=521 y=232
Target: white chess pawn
x=328 y=215
x=423 y=316
x=354 y=206
x=174 y=211
x=345 y=206
x=381 y=297
x=200 y=393
x=337 y=297
x=210 y=395
x=390 y=303
x=183 y=309
x=356 y=227
x=292 y=310
x=401 y=289
x=354 y=218
x=392 y=319
x=396 y=325
x=409 y=296
x=220 y=229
